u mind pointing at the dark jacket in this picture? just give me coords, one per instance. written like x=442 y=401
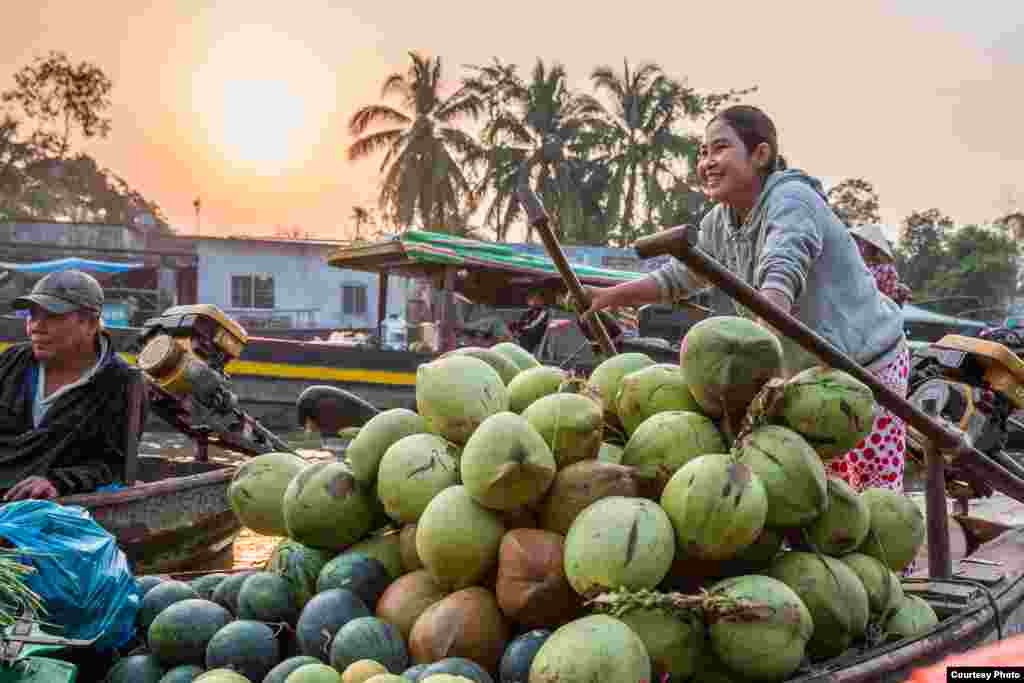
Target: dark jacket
x=83 y=441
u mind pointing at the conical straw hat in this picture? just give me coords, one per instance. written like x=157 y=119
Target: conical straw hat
x=873 y=234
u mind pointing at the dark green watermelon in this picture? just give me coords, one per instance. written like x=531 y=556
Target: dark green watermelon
x=300 y=565
x=280 y=672
x=248 y=647
x=267 y=597
x=365 y=576
x=369 y=638
x=186 y=673
x=205 y=585
x=458 y=666
x=147 y=582
x=136 y=669
x=160 y=598
x=515 y=663
x=180 y=633
x=323 y=616
x=226 y=593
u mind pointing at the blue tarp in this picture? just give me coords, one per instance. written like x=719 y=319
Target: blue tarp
x=74 y=263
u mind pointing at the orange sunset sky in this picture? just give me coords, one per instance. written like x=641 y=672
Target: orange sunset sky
x=244 y=103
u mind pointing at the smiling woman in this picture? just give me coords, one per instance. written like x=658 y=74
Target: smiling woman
x=263 y=99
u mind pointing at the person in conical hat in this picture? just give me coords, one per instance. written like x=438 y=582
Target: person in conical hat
x=881 y=260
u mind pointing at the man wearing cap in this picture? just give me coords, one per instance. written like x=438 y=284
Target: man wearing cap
x=66 y=398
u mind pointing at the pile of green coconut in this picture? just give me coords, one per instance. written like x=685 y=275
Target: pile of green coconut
x=651 y=522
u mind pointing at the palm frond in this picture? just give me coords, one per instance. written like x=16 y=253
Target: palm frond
x=373 y=114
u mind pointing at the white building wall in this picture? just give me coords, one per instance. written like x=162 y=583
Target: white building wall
x=306 y=290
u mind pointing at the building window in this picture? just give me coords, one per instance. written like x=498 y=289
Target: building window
x=252 y=291
x=353 y=299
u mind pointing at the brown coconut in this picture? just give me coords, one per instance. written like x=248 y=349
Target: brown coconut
x=531 y=587
x=579 y=485
x=407 y=598
x=520 y=518
x=468 y=623
x=407 y=548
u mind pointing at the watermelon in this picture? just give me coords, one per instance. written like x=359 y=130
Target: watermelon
x=249 y=647
x=300 y=565
x=136 y=669
x=515 y=663
x=369 y=638
x=226 y=593
x=365 y=576
x=323 y=616
x=160 y=598
x=180 y=633
x=279 y=674
x=267 y=597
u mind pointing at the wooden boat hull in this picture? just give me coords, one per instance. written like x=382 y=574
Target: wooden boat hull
x=180 y=520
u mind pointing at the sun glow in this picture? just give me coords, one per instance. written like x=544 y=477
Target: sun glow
x=263 y=100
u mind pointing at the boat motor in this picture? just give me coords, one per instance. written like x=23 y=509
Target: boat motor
x=184 y=353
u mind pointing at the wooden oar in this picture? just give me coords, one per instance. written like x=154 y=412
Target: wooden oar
x=538 y=218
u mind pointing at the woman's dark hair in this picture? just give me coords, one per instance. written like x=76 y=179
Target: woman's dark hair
x=753 y=127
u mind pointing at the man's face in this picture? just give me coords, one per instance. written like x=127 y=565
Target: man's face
x=57 y=336
x=535 y=300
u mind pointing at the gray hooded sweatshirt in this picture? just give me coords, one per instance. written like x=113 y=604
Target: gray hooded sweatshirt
x=793 y=242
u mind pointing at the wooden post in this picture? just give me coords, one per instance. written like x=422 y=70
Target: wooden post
x=448 y=311
x=940 y=563
x=382 y=304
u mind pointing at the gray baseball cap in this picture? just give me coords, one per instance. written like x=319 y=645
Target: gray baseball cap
x=64 y=292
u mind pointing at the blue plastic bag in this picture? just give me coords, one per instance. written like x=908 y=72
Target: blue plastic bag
x=81 y=574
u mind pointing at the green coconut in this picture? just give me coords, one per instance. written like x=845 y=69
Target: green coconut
x=618 y=542
x=517 y=354
x=911 y=618
x=257 y=490
x=377 y=436
x=791 y=472
x=609 y=452
x=844 y=525
x=535 y=383
x=456 y=393
x=571 y=424
x=760 y=644
x=885 y=592
x=673 y=642
x=652 y=390
x=506 y=463
x=501 y=363
x=413 y=470
x=457 y=539
x=665 y=442
x=897 y=528
x=834 y=595
x=606 y=379
x=593 y=648
x=757 y=557
x=830 y=408
x=324 y=507
x=717 y=506
x=726 y=360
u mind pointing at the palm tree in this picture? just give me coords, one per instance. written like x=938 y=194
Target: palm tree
x=360 y=216
x=422 y=166
x=644 y=150
x=536 y=131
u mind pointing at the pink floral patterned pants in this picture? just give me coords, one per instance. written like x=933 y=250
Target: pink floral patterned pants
x=877 y=461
